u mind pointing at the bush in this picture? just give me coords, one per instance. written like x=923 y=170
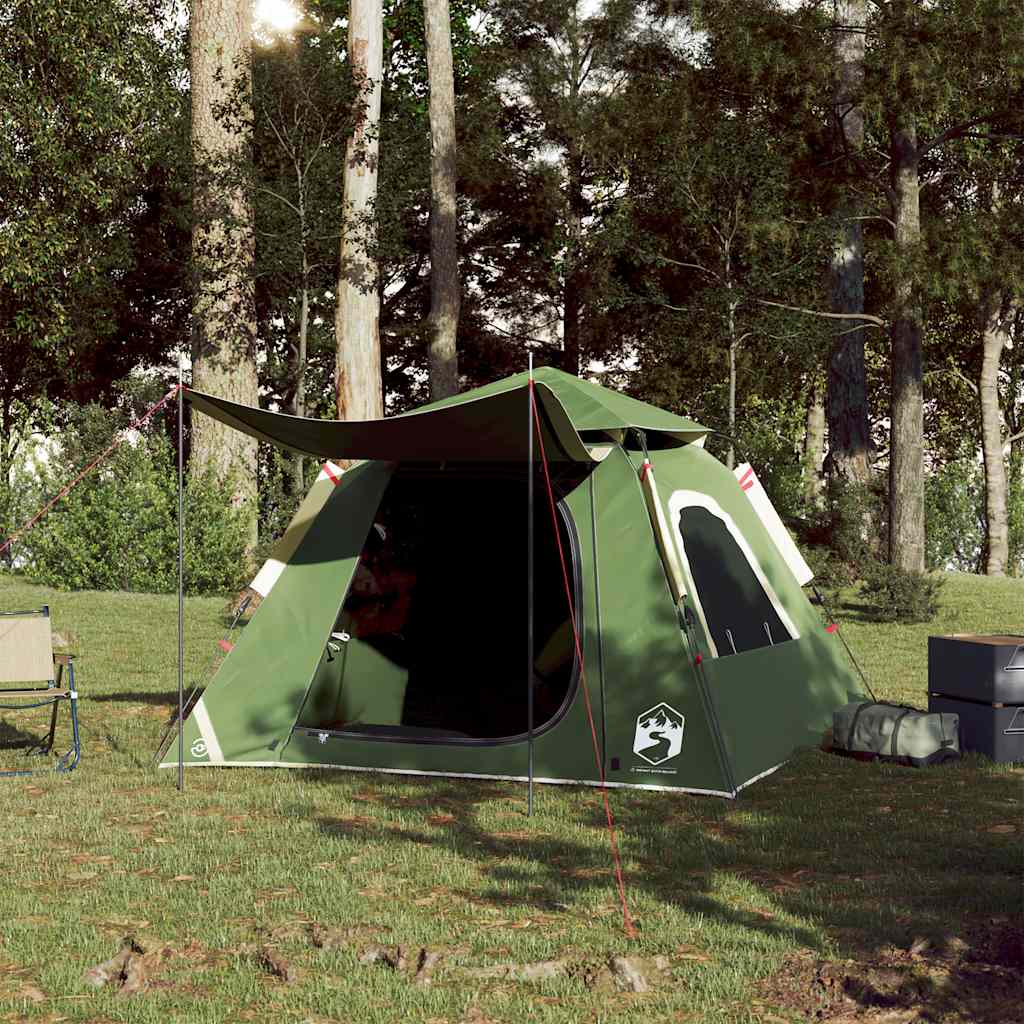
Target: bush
x=838 y=539
x=117 y=530
x=897 y=595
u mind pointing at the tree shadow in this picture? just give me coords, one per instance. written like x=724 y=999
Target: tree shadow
x=548 y=874
x=165 y=698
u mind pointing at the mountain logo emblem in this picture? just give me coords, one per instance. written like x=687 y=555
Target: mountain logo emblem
x=659 y=734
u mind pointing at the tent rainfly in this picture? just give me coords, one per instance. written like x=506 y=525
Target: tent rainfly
x=394 y=633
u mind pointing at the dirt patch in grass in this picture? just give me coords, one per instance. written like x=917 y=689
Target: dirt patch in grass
x=961 y=981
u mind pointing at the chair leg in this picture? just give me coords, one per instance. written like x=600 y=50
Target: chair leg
x=68 y=762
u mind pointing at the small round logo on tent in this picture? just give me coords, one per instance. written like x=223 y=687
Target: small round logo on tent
x=659 y=734
x=198 y=748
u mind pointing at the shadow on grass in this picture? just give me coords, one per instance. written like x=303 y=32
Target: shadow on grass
x=814 y=844
x=166 y=698
x=528 y=868
x=13 y=737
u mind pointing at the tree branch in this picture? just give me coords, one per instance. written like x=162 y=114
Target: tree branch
x=679 y=263
x=874 y=321
x=956 y=373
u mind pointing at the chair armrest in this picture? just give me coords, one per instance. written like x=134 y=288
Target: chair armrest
x=63 y=659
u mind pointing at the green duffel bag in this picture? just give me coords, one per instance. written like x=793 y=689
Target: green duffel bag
x=896 y=732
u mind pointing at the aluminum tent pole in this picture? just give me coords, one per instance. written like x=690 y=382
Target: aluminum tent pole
x=529 y=591
x=181 y=585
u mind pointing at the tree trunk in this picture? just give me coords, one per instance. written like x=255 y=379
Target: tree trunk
x=8 y=451
x=846 y=401
x=814 y=444
x=223 y=247
x=906 y=444
x=572 y=295
x=734 y=345
x=358 y=382
x=444 y=258
x=299 y=405
x=995 y=334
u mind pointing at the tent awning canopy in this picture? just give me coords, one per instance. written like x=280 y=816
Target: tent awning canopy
x=578 y=421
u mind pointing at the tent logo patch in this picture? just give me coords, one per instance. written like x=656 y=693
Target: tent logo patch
x=659 y=734
x=198 y=748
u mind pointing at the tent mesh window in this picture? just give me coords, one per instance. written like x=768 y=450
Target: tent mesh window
x=437 y=616
x=739 y=614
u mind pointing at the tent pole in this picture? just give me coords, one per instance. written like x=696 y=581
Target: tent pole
x=529 y=592
x=181 y=587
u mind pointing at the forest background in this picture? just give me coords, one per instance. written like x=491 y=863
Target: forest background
x=799 y=223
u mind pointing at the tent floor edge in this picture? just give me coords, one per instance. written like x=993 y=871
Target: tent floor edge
x=481 y=776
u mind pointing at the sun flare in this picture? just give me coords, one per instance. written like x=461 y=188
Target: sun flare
x=276 y=15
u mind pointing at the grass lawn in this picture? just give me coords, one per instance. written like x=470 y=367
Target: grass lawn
x=832 y=890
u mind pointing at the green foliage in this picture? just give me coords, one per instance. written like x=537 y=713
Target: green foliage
x=838 y=539
x=955 y=514
x=117 y=530
x=91 y=113
x=278 y=497
x=898 y=595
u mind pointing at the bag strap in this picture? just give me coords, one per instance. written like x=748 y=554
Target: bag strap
x=896 y=730
x=853 y=724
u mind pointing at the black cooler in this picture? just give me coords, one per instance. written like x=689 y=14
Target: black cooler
x=981 y=679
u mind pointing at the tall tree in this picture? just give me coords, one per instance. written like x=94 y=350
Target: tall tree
x=358 y=385
x=846 y=395
x=444 y=267
x=995 y=334
x=937 y=73
x=223 y=242
x=565 y=65
x=302 y=106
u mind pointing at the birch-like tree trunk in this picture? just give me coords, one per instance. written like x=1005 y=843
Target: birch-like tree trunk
x=994 y=337
x=814 y=444
x=223 y=245
x=846 y=399
x=445 y=292
x=358 y=384
x=906 y=445
x=301 y=351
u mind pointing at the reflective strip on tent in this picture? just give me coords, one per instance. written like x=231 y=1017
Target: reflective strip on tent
x=330 y=475
x=765 y=510
x=666 y=548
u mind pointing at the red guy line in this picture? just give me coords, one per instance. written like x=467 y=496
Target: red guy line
x=119 y=440
x=626 y=918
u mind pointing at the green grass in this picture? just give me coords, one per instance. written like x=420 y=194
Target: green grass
x=830 y=856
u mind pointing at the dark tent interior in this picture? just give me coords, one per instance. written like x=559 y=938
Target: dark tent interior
x=431 y=642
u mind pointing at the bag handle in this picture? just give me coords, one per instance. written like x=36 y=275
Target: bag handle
x=896 y=730
x=856 y=715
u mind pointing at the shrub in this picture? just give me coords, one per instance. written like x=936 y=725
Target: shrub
x=117 y=530
x=897 y=595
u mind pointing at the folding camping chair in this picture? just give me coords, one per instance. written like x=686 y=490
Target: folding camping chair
x=33 y=677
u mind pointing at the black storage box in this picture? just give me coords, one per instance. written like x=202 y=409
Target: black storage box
x=996 y=732
x=981 y=679
x=985 y=668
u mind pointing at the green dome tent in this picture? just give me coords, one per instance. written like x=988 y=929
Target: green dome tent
x=395 y=634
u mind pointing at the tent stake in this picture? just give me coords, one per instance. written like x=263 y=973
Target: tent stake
x=529 y=592
x=181 y=589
